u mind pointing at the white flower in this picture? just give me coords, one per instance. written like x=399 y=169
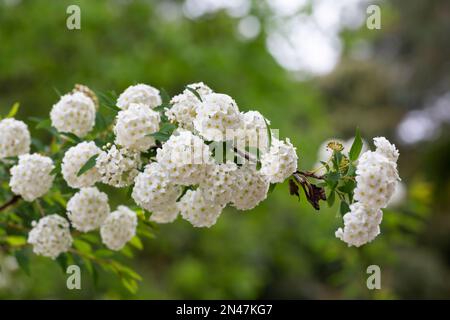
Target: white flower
x=14 y=138
x=184 y=105
x=361 y=225
x=220 y=183
x=118 y=167
x=185 y=157
x=31 y=178
x=217 y=118
x=198 y=211
x=134 y=126
x=251 y=188
x=74 y=159
x=386 y=148
x=376 y=179
x=201 y=88
x=279 y=162
x=50 y=236
x=87 y=209
x=153 y=189
x=74 y=113
x=165 y=215
x=141 y=94
x=119 y=228
x=253 y=133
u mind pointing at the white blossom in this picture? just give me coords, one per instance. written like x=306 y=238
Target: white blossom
x=74 y=113
x=119 y=228
x=198 y=211
x=134 y=126
x=15 y=138
x=50 y=236
x=74 y=159
x=218 y=117
x=253 y=133
x=31 y=178
x=185 y=157
x=376 y=179
x=141 y=94
x=386 y=148
x=154 y=190
x=361 y=225
x=184 y=105
x=165 y=215
x=87 y=209
x=118 y=166
x=251 y=189
x=280 y=161
x=220 y=183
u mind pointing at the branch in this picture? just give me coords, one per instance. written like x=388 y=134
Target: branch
x=310 y=175
x=12 y=201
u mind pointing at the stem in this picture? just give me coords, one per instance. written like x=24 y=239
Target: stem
x=310 y=175
x=12 y=201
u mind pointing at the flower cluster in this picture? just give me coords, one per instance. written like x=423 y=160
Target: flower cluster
x=376 y=181
x=118 y=228
x=14 y=138
x=50 y=236
x=32 y=177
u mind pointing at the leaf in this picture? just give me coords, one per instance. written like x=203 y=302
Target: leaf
x=16 y=240
x=130 y=284
x=272 y=187
x=167 y=127
x=137 y=243
x=165 y=97
x=293 y=189
x=160 y=136
x=71 y=136
x=82 y=246
x=356 y=148
x=62 y=261
x=44 y=124
x=88 y=165
x=269 y=133
x=332 y=179
x=344 y=208
x=23 y=260
x=195 y=93
x=331 y=198
x=14 y=110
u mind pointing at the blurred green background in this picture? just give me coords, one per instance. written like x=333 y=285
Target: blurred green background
x=317 y=72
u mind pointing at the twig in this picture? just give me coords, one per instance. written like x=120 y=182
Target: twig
x=11 y=202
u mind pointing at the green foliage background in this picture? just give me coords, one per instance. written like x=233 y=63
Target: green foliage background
x=283 y=248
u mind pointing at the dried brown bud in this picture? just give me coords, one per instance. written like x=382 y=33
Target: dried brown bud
x=86 y=91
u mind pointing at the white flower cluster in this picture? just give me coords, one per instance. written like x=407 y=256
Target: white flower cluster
x=218 y=117
x=140 y=94
x=185 y=158
x=87 y=209
x=154 y=190
x=280 y=161
x=184 y=105
x=376 y=180
x=14 y=138
x=135 y=125
x=254 y=133
x=50 y=236
x=252 y=188
x=199 y=211
x=118 y=228
x=118 y=166
x=220 y=183
x=31 y=178
x=74 y=113
x=74 y=159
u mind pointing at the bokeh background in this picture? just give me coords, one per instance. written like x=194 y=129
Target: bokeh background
x=315 y=70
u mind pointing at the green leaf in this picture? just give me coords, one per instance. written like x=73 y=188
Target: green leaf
x=160 y=136
x=82 y=246
x=272 y=187
x=195 y=93
x=332 y=179
x=331 y=197
x=71 y=136
x=356 y=148
x=62 y=261
x=137 y=243
x=23 y=260
x=14 y=110
x=165 y=97
x=167 y=128
x=269 y=133
x=88 y=165
x=16 y=240
x=344 y=208
x=44 y=124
